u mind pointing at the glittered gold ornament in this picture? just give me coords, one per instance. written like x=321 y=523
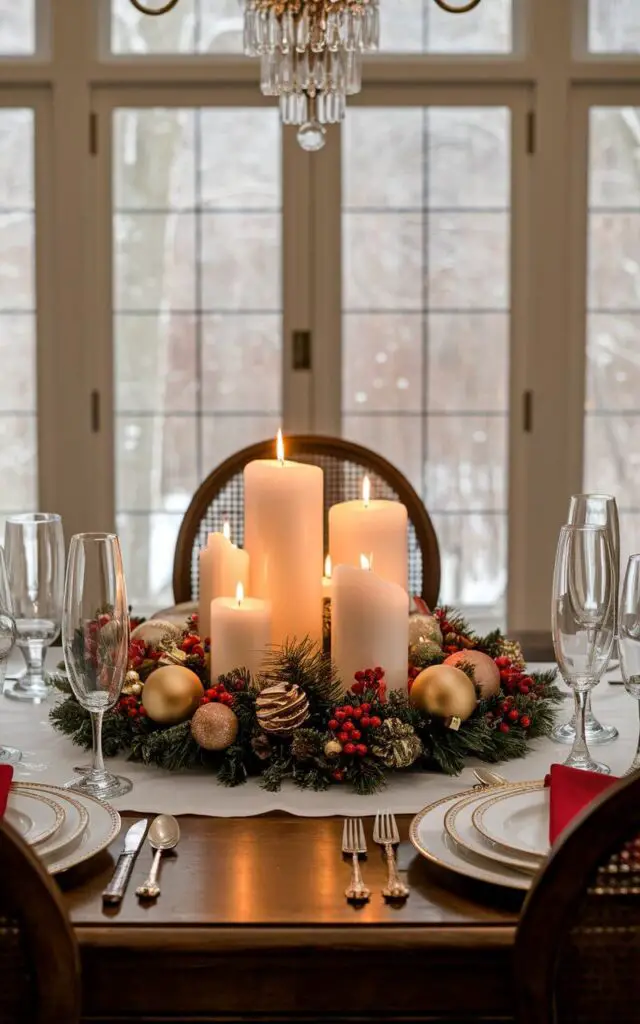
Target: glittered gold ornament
x=425 y=653
x=171 y=694
x=424 y=627
x=156 y=631
x=282 y=708
x=512 y=649
x=132 y=684
x=396 y=744
x=486 y=674
x=444 y=692
x=332 y=748
x=214 y=726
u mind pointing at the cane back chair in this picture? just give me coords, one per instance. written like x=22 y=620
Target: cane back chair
x=578 y=941
x=221 y=497
x=39 y=963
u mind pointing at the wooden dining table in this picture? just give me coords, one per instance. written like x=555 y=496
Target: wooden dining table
x=252 y=925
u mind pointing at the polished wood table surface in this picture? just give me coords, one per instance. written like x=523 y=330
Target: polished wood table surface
x=252 y=924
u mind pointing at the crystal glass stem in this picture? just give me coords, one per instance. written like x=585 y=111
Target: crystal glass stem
x=635 y=764
x=579 y=756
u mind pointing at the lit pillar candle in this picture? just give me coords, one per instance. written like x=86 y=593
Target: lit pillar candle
x=222 y=567
x=283 y=515
x=375 y=526
x=327 y=583
x=326 y=579
x=240 y=633
x=369 y=625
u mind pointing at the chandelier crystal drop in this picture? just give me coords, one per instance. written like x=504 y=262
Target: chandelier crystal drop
x=311 y=57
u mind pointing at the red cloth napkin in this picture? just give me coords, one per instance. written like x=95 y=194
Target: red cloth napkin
x=6 y=775
x=570 y=791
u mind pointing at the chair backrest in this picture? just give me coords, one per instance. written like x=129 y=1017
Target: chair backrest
x=578 y=941
x=221 y=497
x=39 y=962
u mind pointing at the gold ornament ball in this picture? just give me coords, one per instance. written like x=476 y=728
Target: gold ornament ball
x=486 y=673
x=171 y=694
x=214 y=726
x=444 y=692
x=332 y=748
x=156 y=631
x=424 y=627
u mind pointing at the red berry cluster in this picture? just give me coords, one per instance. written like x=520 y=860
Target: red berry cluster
x=137 y=653
x=513 y=680
x=130 y=707
x=371 y=680
x=192 y=645
x=508 y=715
x=350 y=724
x=217 y=695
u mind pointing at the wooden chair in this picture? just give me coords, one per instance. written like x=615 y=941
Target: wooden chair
x=39 y=963
x=578 y=940
x=221 y=497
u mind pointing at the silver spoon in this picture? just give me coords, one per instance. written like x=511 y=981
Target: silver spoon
x=487 y=777
x=164 y=834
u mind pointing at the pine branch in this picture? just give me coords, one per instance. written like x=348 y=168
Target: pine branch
x=274 y=775
x=366 y=776
x=305 y=665
x=232 y=770
x=173 y=748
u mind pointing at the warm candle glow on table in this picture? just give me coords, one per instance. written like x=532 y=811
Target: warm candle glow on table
x=240 y=633
x=379 y=527
x=284 y=513
x=222 y=564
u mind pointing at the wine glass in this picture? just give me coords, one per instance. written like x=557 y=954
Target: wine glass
x=8 y=755
x=583 y=621
x=629 y=639
x=95 y=643
x=34 y=553
x=594 y=510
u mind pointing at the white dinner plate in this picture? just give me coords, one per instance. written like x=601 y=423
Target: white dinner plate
x=427 y=833
x=459 y=826
x=75 y=822
x=103 y=827
x=20 y=821
x=46 y=814
x=518 y=821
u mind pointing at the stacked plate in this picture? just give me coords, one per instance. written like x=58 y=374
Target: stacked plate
x=64 y=828
x=498 y=835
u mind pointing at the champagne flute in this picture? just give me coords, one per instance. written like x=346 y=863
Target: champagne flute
x=34 y=553
x=629 y=639
x=594 y=510
x=582 y=621
x=95 y=642
x=8 y=755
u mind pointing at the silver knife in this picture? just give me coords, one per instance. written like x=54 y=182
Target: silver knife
x=132 y=843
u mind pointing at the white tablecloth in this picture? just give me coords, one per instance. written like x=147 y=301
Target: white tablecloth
x=47 y=755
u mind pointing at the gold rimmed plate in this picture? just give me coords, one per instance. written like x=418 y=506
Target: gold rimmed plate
x=516 y=821
x=75 y=822
x=103 y=826
x=459 y=826
x=429 y=837
x=41 y=811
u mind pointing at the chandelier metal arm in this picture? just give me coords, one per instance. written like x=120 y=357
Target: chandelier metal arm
x=457 y=10
x=155 y=10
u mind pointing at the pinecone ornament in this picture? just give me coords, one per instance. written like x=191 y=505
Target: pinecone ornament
x=261 y=746
x=281 y=709
x=396 y=744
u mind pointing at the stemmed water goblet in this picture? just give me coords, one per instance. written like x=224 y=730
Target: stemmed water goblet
x=95 y=642
x=583 y=622
x=594 y=510
x=34 y=553
x=8 y=755
x=629 y=639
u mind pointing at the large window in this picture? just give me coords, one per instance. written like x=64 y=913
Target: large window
x=463 y=257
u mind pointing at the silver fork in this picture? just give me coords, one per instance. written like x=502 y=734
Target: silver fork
x=355 y=844
x=385 y=833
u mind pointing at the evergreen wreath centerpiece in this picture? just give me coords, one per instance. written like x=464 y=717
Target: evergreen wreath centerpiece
x=466 y=696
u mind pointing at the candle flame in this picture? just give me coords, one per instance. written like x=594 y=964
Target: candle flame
x=226 y=530
x=280 y=448
x=366 y=561
x=239 y=594
x=366 y=491
x=327 y=567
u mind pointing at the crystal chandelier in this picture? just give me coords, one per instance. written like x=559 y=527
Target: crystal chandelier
x=311 y=54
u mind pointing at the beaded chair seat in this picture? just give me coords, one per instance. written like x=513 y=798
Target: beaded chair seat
x=578 y=942
x=221 y=497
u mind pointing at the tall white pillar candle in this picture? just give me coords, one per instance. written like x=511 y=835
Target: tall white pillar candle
x=369 y=626
x=222 y=567
x=283 y=514
x=378 y=528
x=240 y=633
